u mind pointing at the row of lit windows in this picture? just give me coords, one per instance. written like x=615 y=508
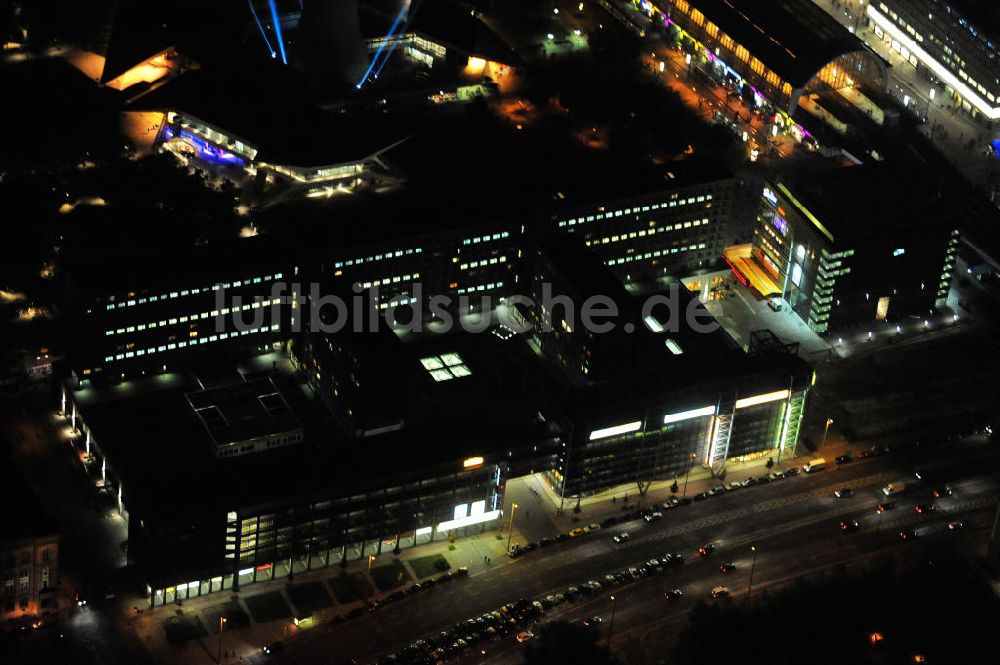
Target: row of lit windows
x=193 y=317
x=485 y=262
x=481 y=287
x=652 y=255
x=193 y=292
x=390 y=280
x=486 y=238
x=647 y=232
x=628 y=211
x=377 y=257
x=180 y=345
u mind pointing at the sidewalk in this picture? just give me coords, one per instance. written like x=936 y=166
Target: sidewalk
x=262 y=613
x=596 y=508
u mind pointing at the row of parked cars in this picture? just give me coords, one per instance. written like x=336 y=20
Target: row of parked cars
x=517 y=617
x=747 y=482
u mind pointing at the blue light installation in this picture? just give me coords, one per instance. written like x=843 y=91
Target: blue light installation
x=277 y=30
x=261 y=28
x=392 y=31
x=413 y=12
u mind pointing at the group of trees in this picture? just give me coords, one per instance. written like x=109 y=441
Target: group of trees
x=892 y=612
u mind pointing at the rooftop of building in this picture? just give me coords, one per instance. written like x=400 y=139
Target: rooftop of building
x=666 y=340
x=795 y=38
x=980 y=17
x=243 y=411
x=856 y=202
x=177 y=263
x=444 y=422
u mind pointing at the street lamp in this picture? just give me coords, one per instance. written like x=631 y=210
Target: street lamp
x=510 y=532
x=611 y=628
x=829 y=421
x=222 y=622
x=753 y=564
x=694 y=456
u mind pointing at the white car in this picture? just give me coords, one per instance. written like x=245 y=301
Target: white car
x=720 y=591
x=621 y=538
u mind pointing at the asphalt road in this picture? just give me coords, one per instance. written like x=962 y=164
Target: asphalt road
x=793 y=523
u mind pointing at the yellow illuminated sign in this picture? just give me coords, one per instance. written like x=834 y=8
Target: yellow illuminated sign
x=472 y=463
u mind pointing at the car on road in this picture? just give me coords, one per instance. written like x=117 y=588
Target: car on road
x=653 y=516
x=954 y=526
x=924 y=508
x=673 y=594
x=592 y=621
x=843 y=459
x=706 y=549
x=720 y=591
x=843 y=493
x=524 y=636
x=907 y=534
x=941 y=492
x=848 y=526
x=884 y=506
x=461 y=571
x=622 y=538
x=727 y=567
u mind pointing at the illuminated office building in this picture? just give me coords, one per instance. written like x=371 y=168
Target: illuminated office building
x=838 y=260
x=678 y=230
x=373 y=441
x=143 y=317
x=951 y=43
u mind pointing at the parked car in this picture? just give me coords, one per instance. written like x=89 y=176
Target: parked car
x=576 y=532
x=843 y=459
x=653 y=516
